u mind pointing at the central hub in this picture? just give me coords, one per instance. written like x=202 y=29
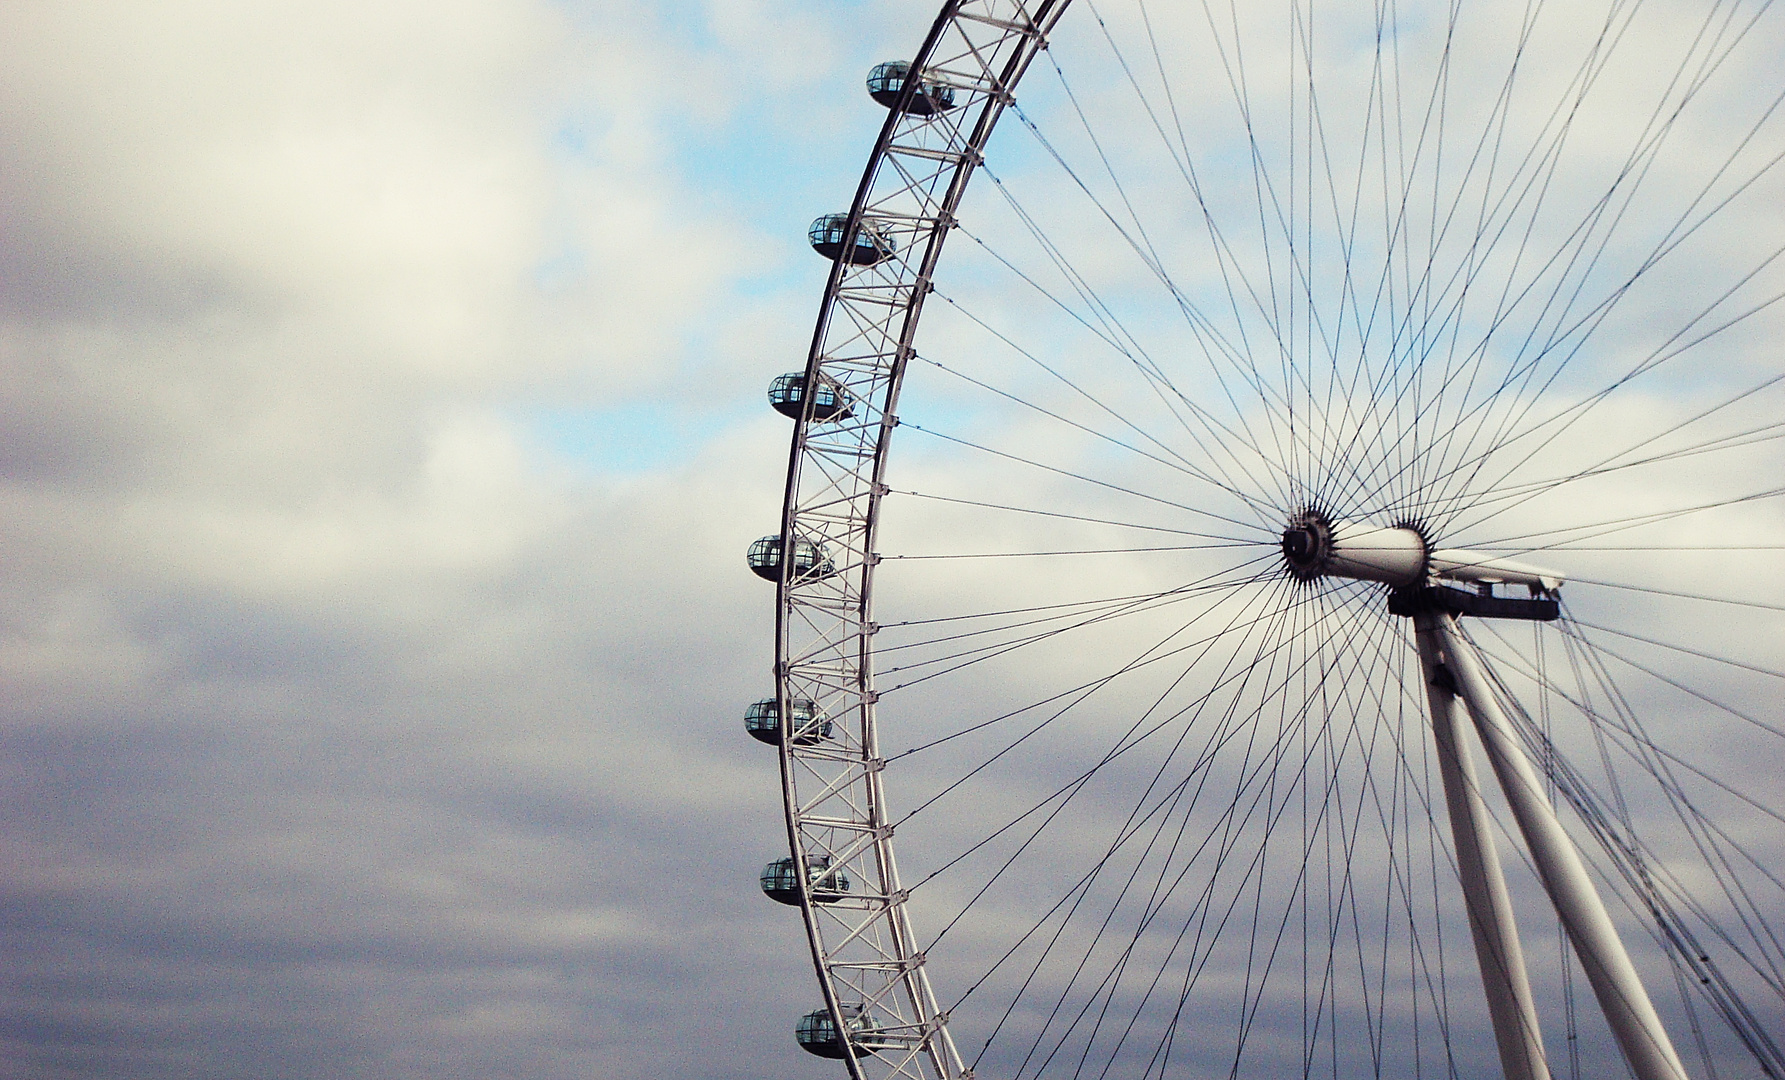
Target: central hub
x=1308 y=544
x=1315 y=546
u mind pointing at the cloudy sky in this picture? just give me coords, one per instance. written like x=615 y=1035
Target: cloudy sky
x=381 y=429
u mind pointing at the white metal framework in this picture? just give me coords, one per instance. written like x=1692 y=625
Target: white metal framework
x=886 y=1018
x=871 y=971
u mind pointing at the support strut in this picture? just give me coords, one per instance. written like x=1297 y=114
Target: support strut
x=1497 y=950
x=1615 y=983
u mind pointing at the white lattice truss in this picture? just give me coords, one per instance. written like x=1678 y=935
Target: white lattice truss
x=870 y=969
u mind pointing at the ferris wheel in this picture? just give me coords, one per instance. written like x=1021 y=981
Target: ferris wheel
x=1323 y=615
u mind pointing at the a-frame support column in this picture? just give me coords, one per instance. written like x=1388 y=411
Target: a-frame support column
x=1497 y=950
x=1614 y=980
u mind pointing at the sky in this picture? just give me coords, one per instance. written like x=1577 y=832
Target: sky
x=381 y=431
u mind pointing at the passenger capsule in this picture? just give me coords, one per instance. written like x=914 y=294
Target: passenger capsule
x=887 y=81
x=869 y=246
x=780 y=881
x=817 y=1034
x=763 y=721
x=810 y=559
x=788 y=394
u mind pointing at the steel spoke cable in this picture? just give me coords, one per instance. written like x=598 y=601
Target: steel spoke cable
x=1178 y=465
x=1578 y=621
x=1285 y=351
x=1133 y=351
x=1586 y=709
x=1638 y=164
x=1544 y=156
x=1700 y=695
x=1211 y=546
x=1491 y=133
x=1640 y=867
x=1208 y=893
x=1570 y=546
x=1095 y=617
x=1208 y=422
x=1067 y=517
x=1668 y=350
x=1629 y=861
x=1110 y=984
x=1117 y=332
x=1001 y=612
x=1083 y=691
x=1128 y=741
x=1682 y=595
x=1078 y=610
x=1079 y=476
x=987 y=652
x=1383 y=818
x=1373 y=391
x=1233 y=67
x=1526 y=490
x=1557 y=425
x=1418 y=788
x=1496 y=214
x=1635 y=521
x=1331 y=432
x=1223 y=732
x=1627 y=732
x=1223 y=585
x=1206 y=758
x=1275 y=756
x=1227 y=262
x=1234 y=833
x=1552 y=157
x=1200 y=325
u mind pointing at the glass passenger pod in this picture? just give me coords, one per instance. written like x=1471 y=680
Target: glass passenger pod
x=869 y=246
x=887 y=81
x=810 y=559
x=780 y=882
x=763 y=721
x=788 y=395
x=817 y=1034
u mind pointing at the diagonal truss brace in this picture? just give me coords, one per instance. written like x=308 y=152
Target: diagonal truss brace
x=1619 y=990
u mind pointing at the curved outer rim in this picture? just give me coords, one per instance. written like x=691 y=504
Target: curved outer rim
x=998 y=39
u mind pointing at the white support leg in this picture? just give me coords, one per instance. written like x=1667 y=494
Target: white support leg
x=1497 y=950
x=1614 y=980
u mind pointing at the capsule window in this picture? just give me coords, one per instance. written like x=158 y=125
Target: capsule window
x=763 y=721
x=887 y=81
x=817 y=1033
x=831 y=402
x=810 y=559
x=780 y=881
x=869 y=245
